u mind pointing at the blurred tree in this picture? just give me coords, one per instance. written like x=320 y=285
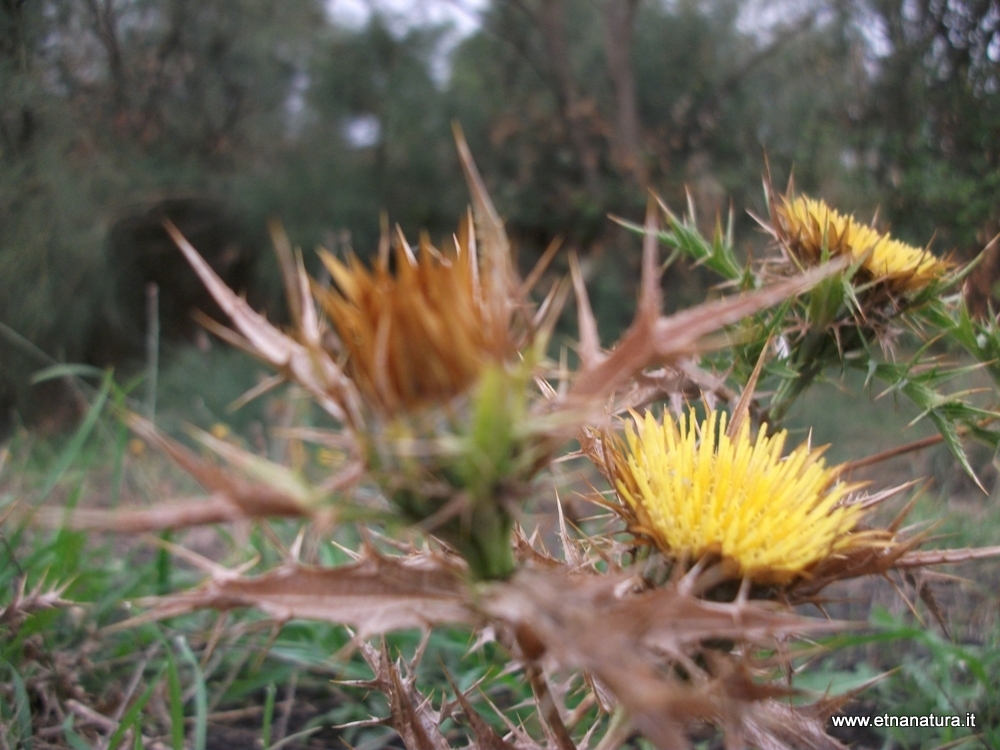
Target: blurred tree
x=107 y=104
x=578 y=108
x=375 y=94
x=928 y=126
x=617 y=97
x=110 y=108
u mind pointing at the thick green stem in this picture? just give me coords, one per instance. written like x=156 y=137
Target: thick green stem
x=810 y=360
x=480 y=531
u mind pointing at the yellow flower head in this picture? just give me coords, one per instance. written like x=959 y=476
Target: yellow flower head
x=807 y=227
x=420 y=335
x=696 y=491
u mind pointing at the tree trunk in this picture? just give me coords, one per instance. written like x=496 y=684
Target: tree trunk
x=619 y=23
x=552 y=23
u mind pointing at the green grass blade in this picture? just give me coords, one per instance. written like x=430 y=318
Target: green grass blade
x=118 y=465
x=133 y=716
x=200 y=695
x=265 y=731
x=22 y=709
x=76 y=444
x=66 y=371
x=75 y=741
x=294 y=738
x=164 y=563
x=176 y=703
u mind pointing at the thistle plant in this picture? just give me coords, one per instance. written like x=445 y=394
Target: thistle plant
x=438 y=334
x=887 y=293
x=435 y=368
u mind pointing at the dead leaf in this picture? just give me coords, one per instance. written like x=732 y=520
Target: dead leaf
x=377 y=594
x=635 y=642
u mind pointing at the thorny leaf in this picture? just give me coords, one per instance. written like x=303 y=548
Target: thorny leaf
x=177 y=514
x=276 y=492
x=25 y=602
x=487 y=737
x=500 y=282
x=683 y=236
x=296 y=286
x=919 y=382
x=590 y=342
x=277 y=477
x=634 y=642
x=375 y=595
x=875 y=561
x=410 y=713
x=925 y=558
x=632 y=639
x=253 y=499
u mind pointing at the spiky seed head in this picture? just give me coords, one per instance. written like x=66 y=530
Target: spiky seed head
x=696 y=491
x=419 y=335
x=810 y=229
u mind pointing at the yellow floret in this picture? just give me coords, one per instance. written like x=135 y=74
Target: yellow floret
x=696 y=491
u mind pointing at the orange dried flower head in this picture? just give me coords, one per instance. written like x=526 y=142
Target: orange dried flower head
x=421 y=334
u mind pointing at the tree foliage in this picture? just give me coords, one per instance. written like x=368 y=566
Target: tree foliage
x=574 y=110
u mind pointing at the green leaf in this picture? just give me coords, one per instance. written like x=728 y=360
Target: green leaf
x=954 y=443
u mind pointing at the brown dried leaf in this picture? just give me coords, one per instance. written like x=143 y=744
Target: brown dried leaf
x=312 y=368
x=773 y=725
x=546 y=707
x=499 y=283
x=293 y=272
x=375 y=595
x=632 y=641
x=487 y=737
x=634 y=350
x=924 y=558
x=877 y=561
x=650 y=297
x=251 y=499
x=741 y=412
x=666 y=339
x=269 y=342
x=25 y=602
x=286 y=260
x=181 y=514
x=590 y=342
x=410 y=712
x=679 y=334
x=277 y=478
x=543 y=263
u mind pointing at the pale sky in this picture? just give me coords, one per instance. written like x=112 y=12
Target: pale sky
x=403 y=14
